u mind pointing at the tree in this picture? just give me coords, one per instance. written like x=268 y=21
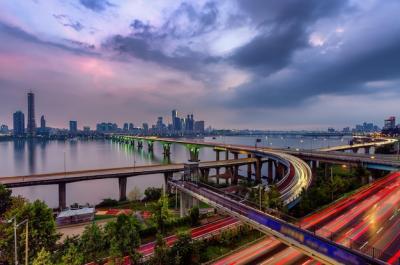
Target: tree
x=182 y=251
x=123 y=236
x=273 y=199
x=161 y=213
x=152 y=194
x=135 y=194
x=43 y=258
x=161 y=251
x=5 y=199
x=73 y=256
x=335 y=185
x=92 y=243
x=42 y=229
x=194 y=216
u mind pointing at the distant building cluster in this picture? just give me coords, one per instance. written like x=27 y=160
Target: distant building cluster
x=22 y=127
x=390 y=127
x=179 y=126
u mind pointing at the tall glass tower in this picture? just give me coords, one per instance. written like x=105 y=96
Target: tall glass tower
x=31 y=128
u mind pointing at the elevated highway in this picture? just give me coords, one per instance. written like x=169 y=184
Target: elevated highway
x=308 y=243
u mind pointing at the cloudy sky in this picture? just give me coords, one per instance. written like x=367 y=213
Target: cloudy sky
x=262 y=64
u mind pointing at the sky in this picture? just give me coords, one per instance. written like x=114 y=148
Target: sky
x=259 y=64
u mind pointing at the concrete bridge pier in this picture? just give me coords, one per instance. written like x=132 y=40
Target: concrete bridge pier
x=249 y=172
x=355 y=150
x=226 y=154
x=150 y=146
x=367 y=150
x=122 y=188
x=280 y=168
x=186 y=203
x=167 y=149
x=62 y=196
x=167 y=176
x=271 y=170
x=258 y=167
x=193 y=153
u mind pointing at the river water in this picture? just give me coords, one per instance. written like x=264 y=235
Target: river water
x=34 y=157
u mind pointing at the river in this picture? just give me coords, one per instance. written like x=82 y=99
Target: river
x=26 y=157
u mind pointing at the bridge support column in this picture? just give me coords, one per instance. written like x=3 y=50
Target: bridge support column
x=280 y=170
x=249 y=168
x=227 y=154
x=367 y=150
x=167 y=149
x=194 y=153
x=150 y=146
x=62 y=196
x=216 y=154
x=122 y=188
x=186 y=202
x=258 y=166
x=167 y=175
x=355 y=150
x=217 y=174
x=271 y=170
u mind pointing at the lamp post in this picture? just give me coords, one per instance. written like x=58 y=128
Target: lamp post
x=15 y=226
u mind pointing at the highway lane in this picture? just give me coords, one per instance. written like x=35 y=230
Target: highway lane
x=365 y=223
x=329 y=216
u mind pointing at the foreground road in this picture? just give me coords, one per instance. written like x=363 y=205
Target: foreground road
x=369 y=217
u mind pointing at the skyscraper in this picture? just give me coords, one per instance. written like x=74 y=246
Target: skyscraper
x=31 y=128
x=174 y=116
x=42 y=123
x=73 y=127
x=19 y=123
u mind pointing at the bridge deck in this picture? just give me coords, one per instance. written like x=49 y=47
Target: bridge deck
x=74 y=176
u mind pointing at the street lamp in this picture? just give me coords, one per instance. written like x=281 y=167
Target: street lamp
x=15 y=225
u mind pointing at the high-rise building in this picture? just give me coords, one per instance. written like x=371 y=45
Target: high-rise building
x=131 y=127
x=145 y=128
x=4 y=128
x=174 y=119
x=390 y=123
x=126 y=127
x=73 y=127
x=199 y=126
x=19 y=123
x=31 y=128
x=42 y=123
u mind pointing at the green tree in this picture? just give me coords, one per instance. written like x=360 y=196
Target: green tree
x=43 y=258
x=161 y=213
x=135 y=194
x=152 y=194
x=161 y=250
x=273 y=199
x=183 y=251
x=42 y=228
x=93 y=243
x=124 y=236
x=5 y=199
x=194 y=216
x=73 y=256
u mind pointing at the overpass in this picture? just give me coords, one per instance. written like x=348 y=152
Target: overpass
x=310 y=244
x=374 y=142
x=121 y=173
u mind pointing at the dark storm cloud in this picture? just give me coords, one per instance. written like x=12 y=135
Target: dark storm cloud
x=346 y=76
x=15 y=32
x=145 y=41
x=96 y=5
x=282 y=28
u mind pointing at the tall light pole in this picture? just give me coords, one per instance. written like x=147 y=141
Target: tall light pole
x=15 y=226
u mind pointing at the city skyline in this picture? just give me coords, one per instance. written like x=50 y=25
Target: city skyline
x=244 y=65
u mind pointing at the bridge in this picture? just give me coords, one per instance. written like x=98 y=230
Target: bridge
x=367 y=145
x=310 y=244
